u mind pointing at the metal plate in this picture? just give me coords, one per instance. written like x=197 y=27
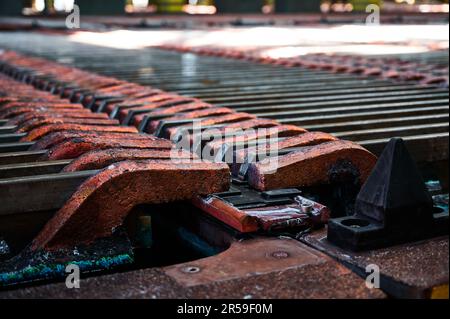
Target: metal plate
x=407 y=271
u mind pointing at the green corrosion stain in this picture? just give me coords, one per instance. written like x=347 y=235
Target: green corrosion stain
x=58 y=270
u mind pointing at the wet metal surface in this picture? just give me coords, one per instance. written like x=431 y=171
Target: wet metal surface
x=362 y=109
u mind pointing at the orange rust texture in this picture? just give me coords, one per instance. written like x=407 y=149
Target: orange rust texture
x=310 y=166
x=191 y=115
x=72 y=148
x=102 y=202
x=144 y=95
x=250 y=124
x=227 y=118
x=58 y=104
x=170 y=111
x=14 y=111
x=41 y=131
x=275 y=131
x=150 y=106
x=227 y=213
x=305 y=139
x=117 y=89
x=73 y=114
x=155 y=98
x=99 y=159
x=40 y=121
x=231 y=128
x=52 y=139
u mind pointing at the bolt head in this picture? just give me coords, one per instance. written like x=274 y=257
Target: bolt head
x=190 y=269
x=280 y=254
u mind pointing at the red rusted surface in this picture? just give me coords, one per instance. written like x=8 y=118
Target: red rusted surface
x=99 y=159
x=430 y=80
x=170 y=111
x=12 y=112
x=40 y=121
x=113 y=90
x=103 y=201
x=227 y=213
x=54 y=105
x=136 y=98
x=250 y=124
x=220 y=119
x=271 y=132
x=47 y=129
x=166 y=102
x=52 y=139
x=191 y=115
x=72 y=148
x=305 y=139
x=250 y=220
x=202 y=113
x=302 y=140
x=154 y=98
x=74 y=114
x=310 y=166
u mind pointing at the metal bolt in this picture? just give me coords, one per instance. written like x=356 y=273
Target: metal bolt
x=306 y=207
x=190 y=270
x=280 y=254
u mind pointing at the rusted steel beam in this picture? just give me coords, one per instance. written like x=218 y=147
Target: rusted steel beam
x=126 y=116
x=142 y=120
x=57 y=104
x=209 y=112
x=112 y=193
x=99 y=159
x=40 y=121
x=140 y=97
x=42 y=131
x=15 y=111
x=85 y=114
x=113 y=110
x=74 y=147
x=55 y=138
x=236 y=137
x=250 y=124
x=311 y=166
x=306 y=139
x=175 y=130
x=98 y=101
